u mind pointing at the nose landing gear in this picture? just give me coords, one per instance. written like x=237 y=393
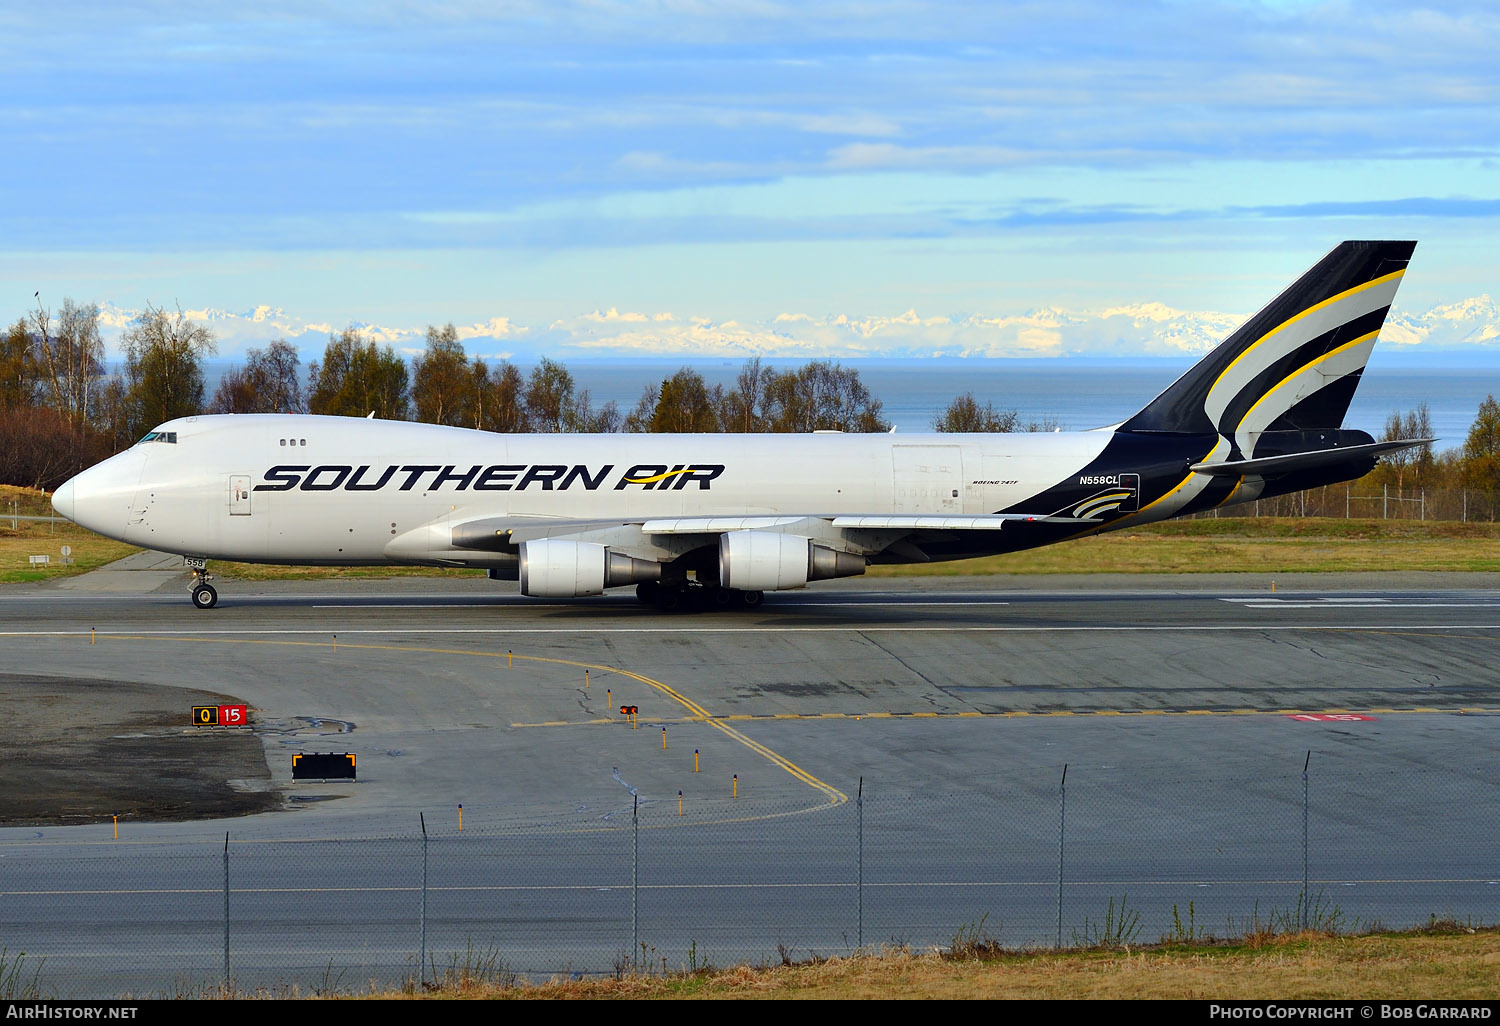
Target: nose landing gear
x=204 y=595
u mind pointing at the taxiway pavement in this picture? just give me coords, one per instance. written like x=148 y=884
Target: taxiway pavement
x=1191 y=713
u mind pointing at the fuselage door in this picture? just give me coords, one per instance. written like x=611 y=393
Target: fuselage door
x=1132 y=484
x=927 y=479
x=239 y=495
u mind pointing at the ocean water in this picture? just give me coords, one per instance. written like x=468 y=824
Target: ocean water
x=1078 y=396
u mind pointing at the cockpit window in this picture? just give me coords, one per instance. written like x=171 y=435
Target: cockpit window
x=170 y=437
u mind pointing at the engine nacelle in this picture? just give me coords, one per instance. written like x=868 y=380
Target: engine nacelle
x=764 y=561
x=555 y=568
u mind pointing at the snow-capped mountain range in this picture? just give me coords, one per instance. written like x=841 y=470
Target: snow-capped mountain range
x=1143 y=329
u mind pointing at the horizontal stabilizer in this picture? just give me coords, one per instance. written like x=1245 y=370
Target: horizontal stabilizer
x=938 y=522
x=1295 y=461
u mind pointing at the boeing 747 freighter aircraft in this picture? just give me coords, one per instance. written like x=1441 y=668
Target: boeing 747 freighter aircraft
x=718 y=520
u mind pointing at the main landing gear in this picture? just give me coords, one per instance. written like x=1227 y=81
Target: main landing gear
x=204 y=595
x=675 y=597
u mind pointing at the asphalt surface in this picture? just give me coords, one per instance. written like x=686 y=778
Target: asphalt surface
x=1207 y=723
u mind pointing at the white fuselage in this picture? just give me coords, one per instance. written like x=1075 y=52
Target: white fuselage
x=290 y=489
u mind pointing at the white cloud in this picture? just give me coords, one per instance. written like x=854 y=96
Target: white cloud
x=1136 y=329
x=613 y=315
x=495 y=327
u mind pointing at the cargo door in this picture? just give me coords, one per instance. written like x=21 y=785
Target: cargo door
x=927 y=479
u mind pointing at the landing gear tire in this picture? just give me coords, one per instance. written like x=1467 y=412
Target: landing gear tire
x=670 y=600
x=204 y=596
x=752 y=599
x=648 y=592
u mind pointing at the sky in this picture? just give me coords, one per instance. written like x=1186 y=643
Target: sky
x=730 y=179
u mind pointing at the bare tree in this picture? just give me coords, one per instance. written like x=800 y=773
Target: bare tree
x=581 y=416
x=268 y=383
x=821 y=396
x=71 y=354
x=164 y=357
x=965 y=414
x=742 y=405
x=502 y=399
x=39 y=448
x=549 y=397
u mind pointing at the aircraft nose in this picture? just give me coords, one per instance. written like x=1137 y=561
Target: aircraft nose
x=62 y=499
x=98 y=498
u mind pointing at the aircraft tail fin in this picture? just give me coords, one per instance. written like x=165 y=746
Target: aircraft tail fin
x=1295 y=364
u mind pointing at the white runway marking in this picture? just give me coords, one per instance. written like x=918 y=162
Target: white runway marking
x=1352 y=603
x=873 y=629
x=1339 y=600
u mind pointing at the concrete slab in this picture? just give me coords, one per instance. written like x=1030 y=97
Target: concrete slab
x=139 y=574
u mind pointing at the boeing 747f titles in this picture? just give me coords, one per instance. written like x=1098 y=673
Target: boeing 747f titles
x=721 y=519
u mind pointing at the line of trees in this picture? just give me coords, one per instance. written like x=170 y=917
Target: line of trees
x=444 y=386
x=59 y=409
x=1458 y=483
x=62 y=410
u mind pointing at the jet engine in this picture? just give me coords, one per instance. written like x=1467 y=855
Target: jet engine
x=554 y=568
x=764 y=561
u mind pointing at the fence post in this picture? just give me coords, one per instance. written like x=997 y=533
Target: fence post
x=1062 y=826
x=1423 y=494
x=228 y=987
x=422 y=942
x=859 y=886
x=635 y=878
x=1385 y=502
x=1303 y=902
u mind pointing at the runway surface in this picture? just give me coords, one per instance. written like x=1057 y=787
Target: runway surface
x=1194 y=715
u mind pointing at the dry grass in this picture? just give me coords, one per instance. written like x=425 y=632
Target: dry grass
x=266 y=572
x=1240 y=545
x=29 y=538
x=1448 y=963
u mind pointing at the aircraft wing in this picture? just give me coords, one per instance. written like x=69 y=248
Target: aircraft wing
x=449 y=539
x=882 y=521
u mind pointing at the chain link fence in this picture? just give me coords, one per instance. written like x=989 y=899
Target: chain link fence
x=1362 y=500
x=1085 y=858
